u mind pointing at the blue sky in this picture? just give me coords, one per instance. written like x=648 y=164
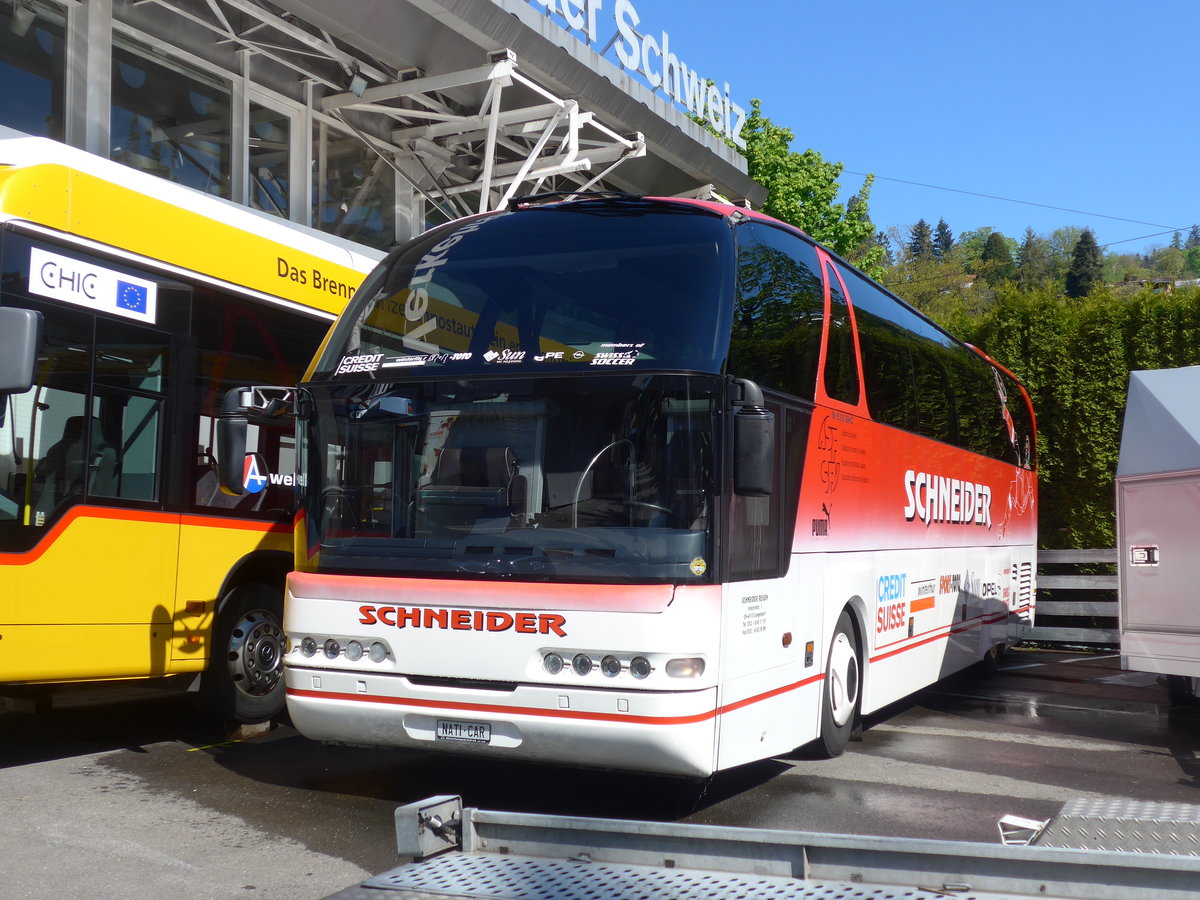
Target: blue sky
x=1092 y=107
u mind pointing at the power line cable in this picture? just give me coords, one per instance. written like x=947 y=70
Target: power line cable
x=1142 y=238
x=1078 y=212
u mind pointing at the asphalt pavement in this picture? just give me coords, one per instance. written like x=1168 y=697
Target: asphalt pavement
x=128 y=793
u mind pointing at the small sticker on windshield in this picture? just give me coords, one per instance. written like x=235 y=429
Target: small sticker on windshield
x=699 y=566
x=504 y=356
x=405 y=362
x=615 y=358
x=362 y=362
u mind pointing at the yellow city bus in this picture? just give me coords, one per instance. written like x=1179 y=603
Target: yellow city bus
x=120 y=557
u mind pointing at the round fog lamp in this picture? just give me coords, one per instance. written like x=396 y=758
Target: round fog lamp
x=333 y=649
x=686 y=668
x=639 y=667
x=610 y=666
x=308 y=647
x=582 y=664
x=378 y=652
x=354 y=651
x=552 y=663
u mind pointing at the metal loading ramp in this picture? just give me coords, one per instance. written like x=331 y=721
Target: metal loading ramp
x=476 y=854
x=1126 y=825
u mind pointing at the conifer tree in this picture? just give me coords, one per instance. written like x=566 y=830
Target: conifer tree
x=1036 y=265
x=1087 y=265
x=996 y=260
x=920 y=242
x=1193 y=238
x=943 y=240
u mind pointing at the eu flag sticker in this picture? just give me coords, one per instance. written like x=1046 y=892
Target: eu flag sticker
x=132 y=297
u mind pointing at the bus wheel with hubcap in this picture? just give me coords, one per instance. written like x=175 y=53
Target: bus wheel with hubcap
x=840 y=691
x=244 y=679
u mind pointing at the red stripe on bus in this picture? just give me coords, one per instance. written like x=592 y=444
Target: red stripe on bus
x=239 y=524
x=739 y=704
x=77 y=513
x=508 y=710
x=487 y=708
x=945 y=631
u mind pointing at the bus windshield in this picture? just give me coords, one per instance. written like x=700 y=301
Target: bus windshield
x=625 y=283
x=599 y=479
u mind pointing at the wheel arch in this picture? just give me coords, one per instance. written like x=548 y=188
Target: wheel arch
x=267 y=567
x=856 y=606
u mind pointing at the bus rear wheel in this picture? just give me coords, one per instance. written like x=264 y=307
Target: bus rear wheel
x=244 y=679
x=840 y=691
x=1181 y=690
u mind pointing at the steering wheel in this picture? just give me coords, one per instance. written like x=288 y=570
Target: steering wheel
x=656 y=509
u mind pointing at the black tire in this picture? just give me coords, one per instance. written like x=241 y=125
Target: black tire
x=1180 y=691
x=841 y=689
x=990 y=664
x=244 y=679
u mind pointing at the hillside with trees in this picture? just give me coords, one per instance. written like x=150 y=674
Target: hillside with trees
x=1070 y=319
x=1072 y=322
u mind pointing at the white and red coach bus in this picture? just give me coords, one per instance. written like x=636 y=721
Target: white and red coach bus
x=644 y=484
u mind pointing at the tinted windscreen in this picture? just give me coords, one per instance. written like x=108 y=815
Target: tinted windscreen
x=604 y=478
x=584 y=286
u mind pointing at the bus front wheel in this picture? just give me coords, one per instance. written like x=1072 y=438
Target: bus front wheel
x=243 y=682
x=840 y=690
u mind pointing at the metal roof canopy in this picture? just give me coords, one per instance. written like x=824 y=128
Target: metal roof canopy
x=1162 y=422
x=434 y=87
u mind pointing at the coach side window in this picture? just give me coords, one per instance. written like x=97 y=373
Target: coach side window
x=841 y=364
x=1020 y=422
x=934 y=354
x=886 y=353
x=778 y=312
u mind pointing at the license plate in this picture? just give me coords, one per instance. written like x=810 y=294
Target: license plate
x=471 y=732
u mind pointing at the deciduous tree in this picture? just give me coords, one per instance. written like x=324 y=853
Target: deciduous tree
x=802 y=190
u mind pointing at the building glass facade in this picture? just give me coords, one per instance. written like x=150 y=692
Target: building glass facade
x=371 y=122
x=171 y=110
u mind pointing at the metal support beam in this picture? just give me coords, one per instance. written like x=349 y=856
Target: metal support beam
x=488 y=129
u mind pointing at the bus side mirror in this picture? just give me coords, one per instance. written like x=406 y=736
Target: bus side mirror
x=753 y=442
x=239 y=407
x=20 y=340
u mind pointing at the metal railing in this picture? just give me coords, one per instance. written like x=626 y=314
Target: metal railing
x=1076 y=607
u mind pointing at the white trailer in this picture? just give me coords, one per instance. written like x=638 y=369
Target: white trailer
x=1158 y=528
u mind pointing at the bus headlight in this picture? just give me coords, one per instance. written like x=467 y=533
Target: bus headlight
x=378 y=652
x=308 y=646
x=582 y=664
x=552 y=663
x=610 y=666
x=332 y=649
x=685 y=668
x=354 y=651
x=639 y=667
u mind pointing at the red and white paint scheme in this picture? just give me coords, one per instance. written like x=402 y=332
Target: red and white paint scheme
x=795 y=501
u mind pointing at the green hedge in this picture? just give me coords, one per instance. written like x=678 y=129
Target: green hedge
x=1074 y=356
